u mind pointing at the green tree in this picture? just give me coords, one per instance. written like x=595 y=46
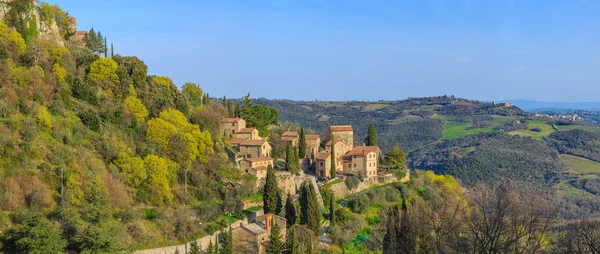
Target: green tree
x=290 y=211
x=44 y=119
x=236 y=111
x=275 y=244
x=229 y=109
x=333 y=162
x=371 y=139
x=35 y=235
x=270 y=192
x=396 y=157
x=310 y=213
x=193 y=93
x=93 y=42
x=103 y=72
x=209 y=250
x=158 y=185
x=291 y=161
x=302 y=144
x=194 y=247
x=227 y=243
x=292 y=246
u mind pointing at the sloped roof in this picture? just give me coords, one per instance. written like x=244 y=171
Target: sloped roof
x=337 y=141
x=363 y=150
x=236 y=141
x=260 y=168
x=322 y=156
x=253 y=142
x=312 y=136
x=255 y=229
x=231 y=120
x=341 y=127
x=290 y=134
x=247 y=130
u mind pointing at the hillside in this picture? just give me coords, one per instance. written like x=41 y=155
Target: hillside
x=409 y=123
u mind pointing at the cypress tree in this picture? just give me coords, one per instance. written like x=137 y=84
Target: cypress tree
x=310 y=246
x=291 y=161
x=229 y=108
x=371 y=139
x=291 y=243
x=194 y=248
x=279 y=203
x=290 y=211
x=333 y=163
x=332 y=210
x=225 y=102
x=302 y=144
x=270 y=192
x=112 y=50
x=227 y=243
x=310 y=213
x=390 y=244
x=236 y=111
x=209 y=250
x=275 y=244
x=105 y=48
x=216 y=251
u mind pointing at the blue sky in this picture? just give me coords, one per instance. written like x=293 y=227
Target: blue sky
x=361 y=50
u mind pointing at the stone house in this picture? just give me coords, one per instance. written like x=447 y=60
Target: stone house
x=343 y=133
x=255 y=148
x=313 y=142
x=254 y=237
x=362 y=160
x=291 y=136
x=230 y=126
x=340 y=148
x=256 y=166
x=248 y=134
x=323 y=164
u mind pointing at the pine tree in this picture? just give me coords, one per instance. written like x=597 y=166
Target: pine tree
x=310 y=213
x=292 y=246
x=290 y=211
x=333 y=162
x=194 y=248
x=275 y=244
x=92 y=40
x=209 y=250
x=332 y=210
x=302 y=144
x=371 y=139
x=100 y=43
x=229 y=108
x=227 y=243
x=291 y=161
x=270 y=192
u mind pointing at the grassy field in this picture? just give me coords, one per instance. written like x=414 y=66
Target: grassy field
x=581 y=127
x=545 y=127
x=580 y=165
x=456 y=129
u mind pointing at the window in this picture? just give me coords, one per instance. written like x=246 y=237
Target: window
x=321 y=163
x=233 y=131
x=233 y=124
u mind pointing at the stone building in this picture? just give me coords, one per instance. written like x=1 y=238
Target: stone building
x=248 y=134
x=343 y=133
x=362 y=160
x=256 y=166
x=255 y=148
x=313 y=143
x=340 y=148
x=323 y=164
x=254 y=237
x=291 y=136
x=230 y=126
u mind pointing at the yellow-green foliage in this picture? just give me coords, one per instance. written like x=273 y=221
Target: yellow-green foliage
x=11 y=39
x=59 y=72
x=445 y=183
x=73 y=190
x=166 y=81
x=132 y=167
x=172 y=121
x=43 y=119
x=104 y=72
x=135 y=107
x=159 y=190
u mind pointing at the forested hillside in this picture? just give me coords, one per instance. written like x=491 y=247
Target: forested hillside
x=97 y=155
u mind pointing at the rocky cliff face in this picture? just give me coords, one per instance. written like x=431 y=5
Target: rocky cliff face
x=47 y=28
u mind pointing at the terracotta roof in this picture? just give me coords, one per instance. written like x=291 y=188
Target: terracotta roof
x=247 y=130
x=329 y=142
x=290 y=134
x=257 y=159
x=288 y=138
x=312 y=136
x=322 y=156
x=341 y=128
x=363 y=150
x=253 y=142
x=231 y=120
x=236 y=141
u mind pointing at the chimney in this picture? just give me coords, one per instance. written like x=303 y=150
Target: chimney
x=268 y=221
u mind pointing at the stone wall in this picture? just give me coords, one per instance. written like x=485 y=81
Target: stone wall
x=340 y=190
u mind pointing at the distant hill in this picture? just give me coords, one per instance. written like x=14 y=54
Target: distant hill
x=531 y=105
